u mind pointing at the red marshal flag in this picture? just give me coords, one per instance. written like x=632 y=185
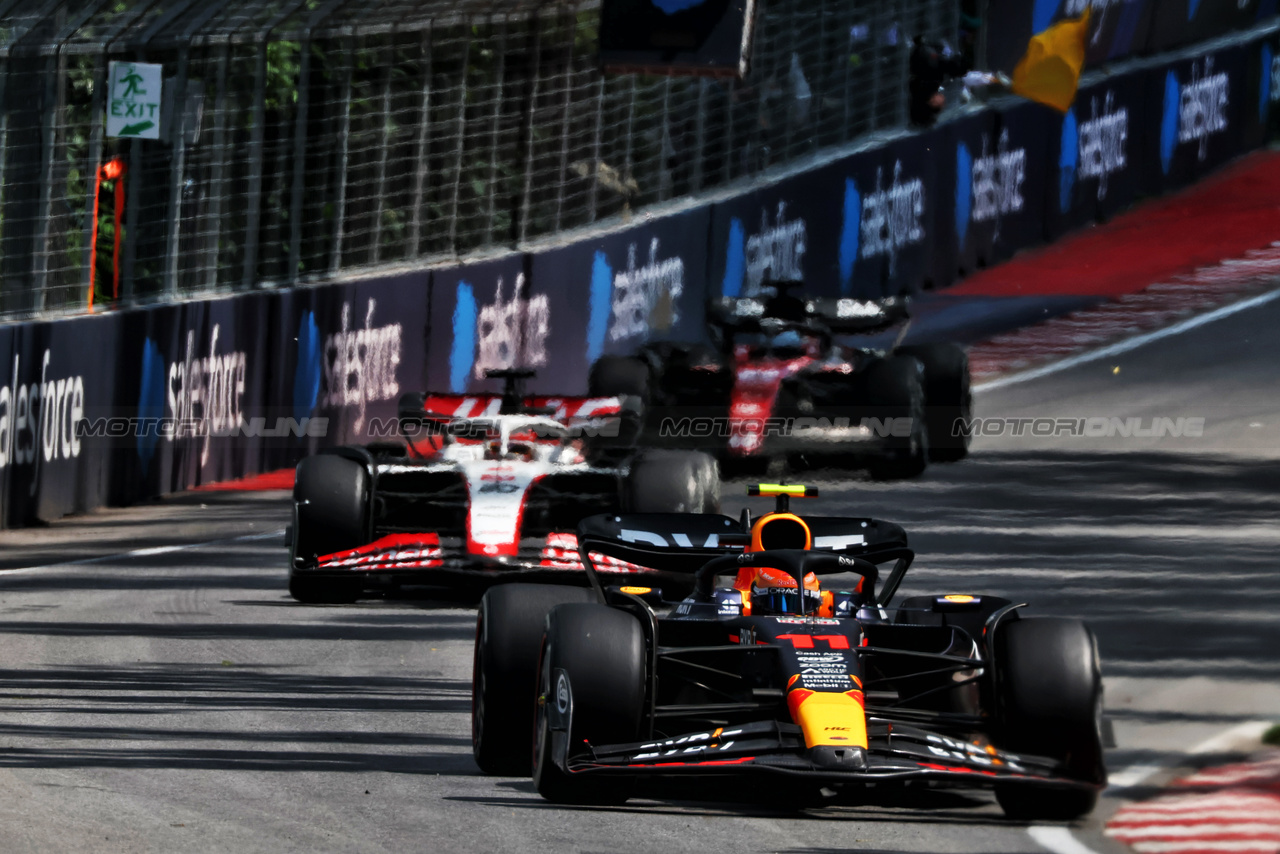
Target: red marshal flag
x=1049 y=72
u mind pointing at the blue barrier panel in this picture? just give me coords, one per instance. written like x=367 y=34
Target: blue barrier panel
x=8 y=390
x=314 y=326
x=1193 y=107
x=871 y=237
x=141 y=460
x=613 y=293
x=480 y=318
x=899 y=213
x=965 y=243
x=1261 y=92
x=1011 y=178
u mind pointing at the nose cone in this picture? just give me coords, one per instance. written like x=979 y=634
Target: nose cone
x=839 y=758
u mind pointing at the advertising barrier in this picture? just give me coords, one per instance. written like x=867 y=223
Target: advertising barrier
x=116 y=408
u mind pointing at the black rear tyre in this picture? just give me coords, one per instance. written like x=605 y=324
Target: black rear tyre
x=895 y=389
x=330 y=497
x=1049 y=703
x=619 y=376
x=592 y=678
x=504 y=681
x=948 y=398
x=670 y=481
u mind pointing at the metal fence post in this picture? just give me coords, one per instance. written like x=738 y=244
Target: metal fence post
x=596 y=141
x=177 y=165
x=457 y=159
x=54 y=102
x=564 y=134
x=422 y=150
x=495 y=135
x=213 y=238
x=521 y=211
x=253 y=199
x=91 y=163
x=375 y=244
x=344 y=155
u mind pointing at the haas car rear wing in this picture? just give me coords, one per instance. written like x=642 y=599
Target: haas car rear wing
x=549 y=416
x=840 y=316
x=683 y=543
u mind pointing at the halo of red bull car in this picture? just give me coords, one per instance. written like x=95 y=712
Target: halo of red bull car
x=632 y=637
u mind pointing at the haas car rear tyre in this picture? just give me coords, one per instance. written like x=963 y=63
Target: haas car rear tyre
x=672 y=482
x=947 y=397
x=330 y=496
x=504 y=680
x=619 y=376
x=895 y=390
x=1049 y=703
x=591 y=692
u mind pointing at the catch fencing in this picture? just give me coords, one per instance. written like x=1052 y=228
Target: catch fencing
x=301 y=138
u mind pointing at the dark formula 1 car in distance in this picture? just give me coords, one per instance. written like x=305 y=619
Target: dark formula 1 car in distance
x=807 y=691
x=786 y=379
x=482 y=487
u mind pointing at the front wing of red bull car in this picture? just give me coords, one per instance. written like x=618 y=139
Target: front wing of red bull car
x=947 y=690
x=482 y=488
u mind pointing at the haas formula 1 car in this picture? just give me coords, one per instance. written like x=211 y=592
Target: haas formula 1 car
x=486 y=486
x=807 y=691
x=779 y=384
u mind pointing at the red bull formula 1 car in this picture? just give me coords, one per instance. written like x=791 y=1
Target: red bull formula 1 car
x=813 y=691
x=785 y=380
x=482 y=487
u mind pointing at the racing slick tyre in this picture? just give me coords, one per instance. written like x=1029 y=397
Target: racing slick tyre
x=591 y=689
x=619 y=376
x=947 y=397
x=330 y=495
x=895 y=389
x=1049 y=703
x=671 y=481
x=504 y=678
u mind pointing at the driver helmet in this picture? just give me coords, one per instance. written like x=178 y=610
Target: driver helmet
x=767 y=591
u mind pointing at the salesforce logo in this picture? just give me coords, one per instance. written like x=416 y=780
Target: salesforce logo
x=1267 y=89
x=1193 y=112
x=988 y=187
x=775 y=251
x=882 y=221
x=151 y=397
x=506 y=333
x=1068 y=159
x=1093 y=149
x=630 y=303
x=306 y=375
x=964 y=198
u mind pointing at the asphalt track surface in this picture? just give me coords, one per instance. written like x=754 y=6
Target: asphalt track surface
x=175 y=699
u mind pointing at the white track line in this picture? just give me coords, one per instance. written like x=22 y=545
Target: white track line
x=1059 y=839
x=147 y=552
x=1128 y=344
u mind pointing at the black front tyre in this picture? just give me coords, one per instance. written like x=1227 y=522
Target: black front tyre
x=330 y=498
x=592 y=679
x=672 y=481
x=1049 y=703
x=504 y=681
x=948 y=397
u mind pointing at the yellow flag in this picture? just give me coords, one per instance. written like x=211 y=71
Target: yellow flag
x=1049 y=72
